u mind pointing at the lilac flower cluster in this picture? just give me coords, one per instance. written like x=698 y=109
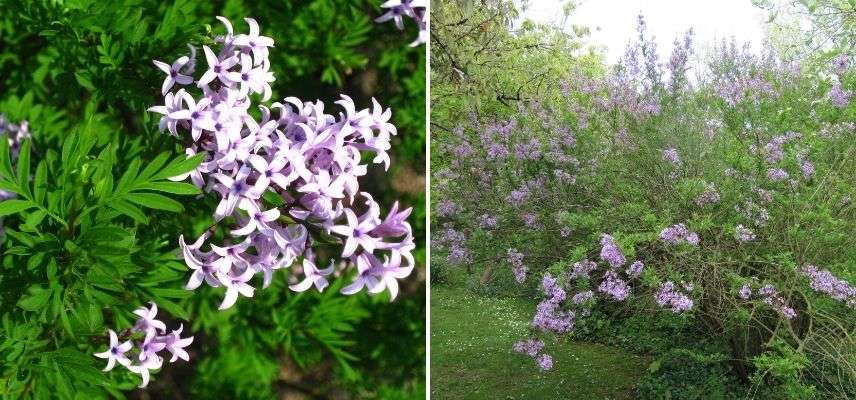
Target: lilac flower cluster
x=487 y=221
x=635 y=269
x=613 y=286
x=446 y=208
x=453 y=241
x=582 y=297
x=770 y=295
x=744 y=234
x=777 y=174
x=515 y=258
x=610 y=252
x=671 y=155
x=396 y=10
x=670 y=296
x=839 y=96
x=745 y=291
x=530 y=347
x=548 y=315
x=155 y=340
x=679 y=233
x=308 y=159
x=582 y=269
x=709 y=196
x=823 y=281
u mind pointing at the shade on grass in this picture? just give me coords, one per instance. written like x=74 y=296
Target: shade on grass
x=471 y=356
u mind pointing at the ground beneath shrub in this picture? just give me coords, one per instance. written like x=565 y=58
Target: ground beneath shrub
x=471 y=357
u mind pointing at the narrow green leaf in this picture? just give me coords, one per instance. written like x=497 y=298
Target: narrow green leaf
x=40 y=183
x=171 y=187
x=129 y=176
x=130 y=210
x=180 y=167
x=156 y=201
x=5 y=161
x=24 y=167
x=13 y=206
x=152 y=167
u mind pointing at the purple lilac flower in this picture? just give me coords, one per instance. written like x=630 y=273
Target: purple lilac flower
x=565 y=232
x=745 y=291
x=610 y=252
x=487 y=221
x=582 y=269
x=744 y=234
x=148 y=350
x=635 y=269
x=709 y=196
x=446 y=208
x=671 y=155
x=823 y=281
x=678 y=233
x=614 y=286
x=545 y=362
x=515 y=258
x=313 y=160
x=777 y=174
x=396 y=10
x=841 y=63
x=770 y=296
x=530 y=347
x=840 y=97
x=669 y=296
x=549 y=316
x=530 y=220
x=582 y=297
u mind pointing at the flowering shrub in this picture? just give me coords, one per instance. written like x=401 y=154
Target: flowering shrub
x=636 y=191
x=100 y=222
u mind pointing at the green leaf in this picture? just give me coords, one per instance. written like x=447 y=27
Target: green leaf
x=13 y=206
x=36 y=300
x=171 y=187
x=180 y=167
x=130 y=210
x=24 y=168
x=40 y=183
x=85 y=80
x=156 y=201
x=5 y=161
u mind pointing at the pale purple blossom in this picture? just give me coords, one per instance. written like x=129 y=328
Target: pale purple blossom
x=610 y=252
x=614 y=287
x=147 y=352
x=669 y=296
x=635 y=269
x=744 y=234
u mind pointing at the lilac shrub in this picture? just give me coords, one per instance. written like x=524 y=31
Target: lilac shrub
x=286 y=181
x=636 y=191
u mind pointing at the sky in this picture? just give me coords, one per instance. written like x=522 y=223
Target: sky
x=613 y=22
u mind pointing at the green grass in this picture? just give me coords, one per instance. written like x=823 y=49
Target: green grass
x=471 y=356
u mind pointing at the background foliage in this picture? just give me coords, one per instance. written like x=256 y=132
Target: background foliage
x=97 y=232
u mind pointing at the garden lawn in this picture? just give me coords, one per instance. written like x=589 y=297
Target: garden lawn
x=471 y=356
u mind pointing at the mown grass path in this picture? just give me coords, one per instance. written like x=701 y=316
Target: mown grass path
x=471 y=357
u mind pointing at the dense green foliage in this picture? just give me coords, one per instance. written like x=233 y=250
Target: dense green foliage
x=544 y=168
x=93 y=232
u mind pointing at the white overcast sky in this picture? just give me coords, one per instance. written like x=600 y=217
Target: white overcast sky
x=613 y=22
